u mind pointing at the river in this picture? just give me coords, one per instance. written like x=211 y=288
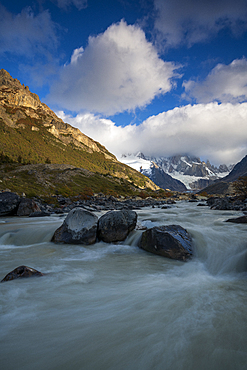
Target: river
x=116 y=307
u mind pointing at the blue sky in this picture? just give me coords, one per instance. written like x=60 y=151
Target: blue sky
x=161 y=76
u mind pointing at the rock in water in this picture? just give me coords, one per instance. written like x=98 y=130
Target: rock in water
x=238 y=220
x=115 y=226
x=8 y=203
x=21 y=272
x=171 y=241
x=26 y=207
x=79 y=227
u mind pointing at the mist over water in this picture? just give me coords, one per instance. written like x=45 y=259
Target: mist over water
x=114 y=306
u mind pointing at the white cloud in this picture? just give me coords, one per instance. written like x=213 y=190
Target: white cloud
x=26 y=34
x=192 y=21
x=214 y=131
x=119 y=70
x=225 y=83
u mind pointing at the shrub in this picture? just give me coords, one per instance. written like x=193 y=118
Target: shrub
x=240 y=186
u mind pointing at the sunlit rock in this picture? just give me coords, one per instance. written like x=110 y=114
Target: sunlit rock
x=171 y=241
x=79 y=227
x=115 y=226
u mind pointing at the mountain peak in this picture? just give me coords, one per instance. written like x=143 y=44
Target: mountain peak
x=7 y=80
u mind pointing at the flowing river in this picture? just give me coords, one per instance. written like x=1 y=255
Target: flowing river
x=116 y=307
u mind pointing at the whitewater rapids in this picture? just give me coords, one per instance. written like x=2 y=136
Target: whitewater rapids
x=116 y=307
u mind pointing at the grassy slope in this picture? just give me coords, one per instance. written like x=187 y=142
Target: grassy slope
x=38 y=146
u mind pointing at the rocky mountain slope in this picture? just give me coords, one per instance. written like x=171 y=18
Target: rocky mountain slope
x=240 y=169
x=188 y=170
x=31 y=133
x=224 y=185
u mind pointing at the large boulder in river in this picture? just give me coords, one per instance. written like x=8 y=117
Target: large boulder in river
x=115 y=226
x=21 y=272
x=171 y=241
x=8 y=203
x=27 y=206
x=79 y=227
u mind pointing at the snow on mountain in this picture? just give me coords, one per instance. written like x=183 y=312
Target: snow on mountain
x=136 y=162
x=191 y=171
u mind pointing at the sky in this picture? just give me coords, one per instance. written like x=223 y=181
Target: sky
x=163 y=77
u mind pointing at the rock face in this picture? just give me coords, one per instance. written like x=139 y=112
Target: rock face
x=21 y=272
x=24 y=103
x=115 y=226
x=240 y=169
x=27 y=207
x=8 y=203
x=164 y=180
x=79 y=227
x=22 y=110
x=222 y=186
x=170 y=241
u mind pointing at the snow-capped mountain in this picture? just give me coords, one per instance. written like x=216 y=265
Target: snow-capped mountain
x=190 y=171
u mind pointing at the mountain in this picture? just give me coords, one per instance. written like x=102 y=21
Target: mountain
x=188 y=170
x=240 y=169
x=223 y=186
x=31 y=133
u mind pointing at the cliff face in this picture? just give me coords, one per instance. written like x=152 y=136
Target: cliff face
x=31 y=133
x=17 y=103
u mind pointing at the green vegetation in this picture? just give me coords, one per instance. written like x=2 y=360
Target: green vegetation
x=26 y=146
x=240 y=186
x=45 y=180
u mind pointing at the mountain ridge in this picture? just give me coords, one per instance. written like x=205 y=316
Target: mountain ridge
x=30 y=133
x=188 y=170
x=224 y=185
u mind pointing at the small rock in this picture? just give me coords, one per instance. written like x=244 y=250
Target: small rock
x=21 y=272
x=238 y=220
x=39 y=214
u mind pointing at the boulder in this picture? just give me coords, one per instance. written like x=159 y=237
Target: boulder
x=226 y=203
x=79 y=227
x=26 y=207
x=171 y=241
x=21 y=272
x=115 y=226
x=238 y=220
x=8 y=203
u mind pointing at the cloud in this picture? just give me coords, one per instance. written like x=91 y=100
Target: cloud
x=26 y=34
x=65 y=4
x=192 y=21
x=213 y=131
x=225 y=83
x=119 y=70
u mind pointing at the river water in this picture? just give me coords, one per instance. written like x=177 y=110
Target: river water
x=116 y=307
